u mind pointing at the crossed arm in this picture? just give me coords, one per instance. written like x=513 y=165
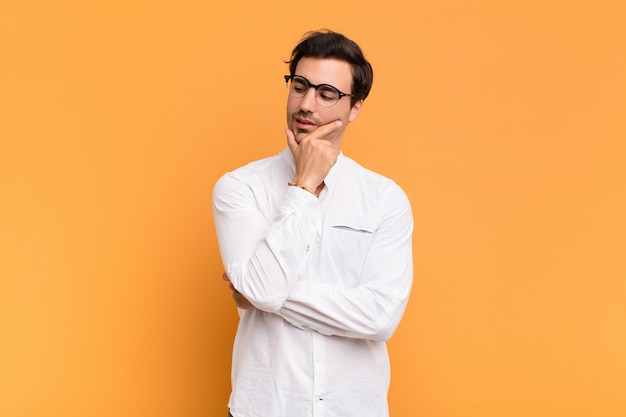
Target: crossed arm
x=314 y=157
x=263 y=258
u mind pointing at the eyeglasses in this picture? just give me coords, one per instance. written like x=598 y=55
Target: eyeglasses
x=326 y=94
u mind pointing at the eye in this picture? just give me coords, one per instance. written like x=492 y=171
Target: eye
x=299 y=86
x=327 y=94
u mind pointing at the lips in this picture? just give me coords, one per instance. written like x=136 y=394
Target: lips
x=304 y=123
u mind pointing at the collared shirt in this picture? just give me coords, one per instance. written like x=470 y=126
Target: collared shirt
x=330 y=278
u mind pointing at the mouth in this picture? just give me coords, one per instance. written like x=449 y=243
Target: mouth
x=304 y=123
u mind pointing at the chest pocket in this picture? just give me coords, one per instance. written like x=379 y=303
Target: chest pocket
x=348 y=248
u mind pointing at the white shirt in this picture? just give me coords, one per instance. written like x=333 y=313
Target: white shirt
x=329 y=277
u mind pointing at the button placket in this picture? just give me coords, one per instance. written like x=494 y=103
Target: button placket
x=319 y=375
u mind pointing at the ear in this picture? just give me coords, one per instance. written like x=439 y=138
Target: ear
x=355 y=110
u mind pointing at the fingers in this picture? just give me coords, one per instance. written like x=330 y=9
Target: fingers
x=240 y=300
x=319 y=133
x=291 y=140
x=323 y=130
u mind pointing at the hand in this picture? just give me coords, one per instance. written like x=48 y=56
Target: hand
x=241 y=301
x=314 y=156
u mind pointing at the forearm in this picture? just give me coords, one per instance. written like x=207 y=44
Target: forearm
x=365 y=312
x=369 y=304
x=266 y=277
x=262 y=257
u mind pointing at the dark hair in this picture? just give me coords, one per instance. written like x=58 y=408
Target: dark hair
x=329 y=44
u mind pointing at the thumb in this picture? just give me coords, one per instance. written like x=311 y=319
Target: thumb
x=291 y=140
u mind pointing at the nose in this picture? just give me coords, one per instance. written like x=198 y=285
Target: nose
x=309 y=101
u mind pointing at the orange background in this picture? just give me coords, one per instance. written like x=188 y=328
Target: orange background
x=505 y=123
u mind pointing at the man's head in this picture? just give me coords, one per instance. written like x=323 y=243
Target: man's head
x=328 y=44
x=329 y=79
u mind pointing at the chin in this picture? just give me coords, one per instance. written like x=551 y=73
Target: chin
x=299 y=136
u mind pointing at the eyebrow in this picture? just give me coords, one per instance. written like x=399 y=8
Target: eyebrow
x=323 y=84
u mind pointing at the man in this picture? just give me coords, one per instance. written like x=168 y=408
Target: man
x=317 y=250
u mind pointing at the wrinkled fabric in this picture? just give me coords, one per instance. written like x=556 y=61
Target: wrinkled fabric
x=329 y=278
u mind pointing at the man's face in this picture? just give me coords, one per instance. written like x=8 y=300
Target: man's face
x=305 y=114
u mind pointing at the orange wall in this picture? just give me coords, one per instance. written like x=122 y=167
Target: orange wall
x=505 y=122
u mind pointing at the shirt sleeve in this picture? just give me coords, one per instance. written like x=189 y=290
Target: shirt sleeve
x=262 y=256
x=373 y=309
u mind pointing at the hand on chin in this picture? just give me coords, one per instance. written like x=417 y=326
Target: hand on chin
x=302 y=133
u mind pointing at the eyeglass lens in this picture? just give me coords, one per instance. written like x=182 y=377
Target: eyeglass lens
x=326 y=95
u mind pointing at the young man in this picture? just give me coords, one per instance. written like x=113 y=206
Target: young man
x=318 y=253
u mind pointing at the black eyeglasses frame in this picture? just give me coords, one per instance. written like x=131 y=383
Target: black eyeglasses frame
x=310 y=84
